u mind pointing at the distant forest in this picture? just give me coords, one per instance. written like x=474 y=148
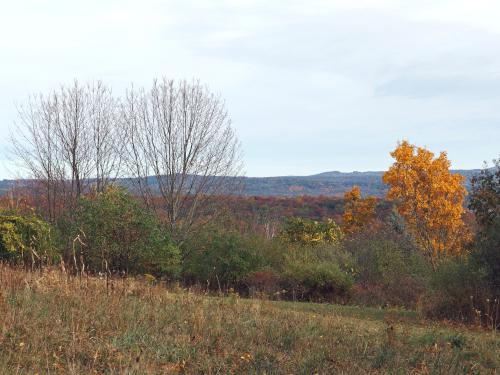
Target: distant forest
x=332 y=184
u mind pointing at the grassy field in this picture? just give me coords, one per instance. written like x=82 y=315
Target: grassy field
x=51 y=324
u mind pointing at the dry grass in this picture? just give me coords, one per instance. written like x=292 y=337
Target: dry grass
x=54 y=325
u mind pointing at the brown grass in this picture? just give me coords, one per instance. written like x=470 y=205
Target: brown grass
x=52 y=324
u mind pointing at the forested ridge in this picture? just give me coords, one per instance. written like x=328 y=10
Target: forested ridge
x=322 y=184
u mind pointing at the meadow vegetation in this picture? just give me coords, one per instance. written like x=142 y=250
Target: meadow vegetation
x=54 y=323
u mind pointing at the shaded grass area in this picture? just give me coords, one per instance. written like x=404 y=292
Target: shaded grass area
x=52 y=324
x=360 y=312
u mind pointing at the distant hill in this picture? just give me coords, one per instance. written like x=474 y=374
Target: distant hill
x=326 y=184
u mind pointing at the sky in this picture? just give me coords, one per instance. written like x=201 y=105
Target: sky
x=311 y=86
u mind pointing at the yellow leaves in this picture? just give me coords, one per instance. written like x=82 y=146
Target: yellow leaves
x=429 y=197
x=149 y=278
x=308 y=232
x=247 y=357
x=358 y=212
x=353 y=195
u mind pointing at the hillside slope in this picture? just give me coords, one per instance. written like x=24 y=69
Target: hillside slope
x=59 y=325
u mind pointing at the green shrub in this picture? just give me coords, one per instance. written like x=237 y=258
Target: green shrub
x=317 y=273
x=318 y=281
x=26 y=239
x=119 y=235
x=390 y=271
x=485 y=203
x=456 y=292
x=219 y=259
x=486 y=256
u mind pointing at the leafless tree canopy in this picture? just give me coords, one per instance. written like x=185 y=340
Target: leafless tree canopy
x=175 y=141
x=181 y=135
x=69 y=140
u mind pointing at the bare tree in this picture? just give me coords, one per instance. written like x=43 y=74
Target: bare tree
x=69 y=140
x=108 y=136
x=179 y=145
x=36 y=148
x=182 y=150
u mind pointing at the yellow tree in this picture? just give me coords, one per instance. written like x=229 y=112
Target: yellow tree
x=358 y=212
x=429 y=197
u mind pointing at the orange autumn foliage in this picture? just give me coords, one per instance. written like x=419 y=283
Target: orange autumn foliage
x=358 y=212
x=430 y=199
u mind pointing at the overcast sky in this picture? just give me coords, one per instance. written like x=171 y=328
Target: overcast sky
x=311 y=86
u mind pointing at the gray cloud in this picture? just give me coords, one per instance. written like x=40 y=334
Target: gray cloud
x=413 y=86
x=311 y=85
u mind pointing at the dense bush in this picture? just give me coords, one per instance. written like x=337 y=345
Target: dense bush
x=322 y=273
x=222 y=259
x=456 y=292
x=485 y=203
x=390 y=271
x=485 y=197
x=486 y=256
x=110 y=231
x=317 y=281
x=219 y=259
x=25 y=239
